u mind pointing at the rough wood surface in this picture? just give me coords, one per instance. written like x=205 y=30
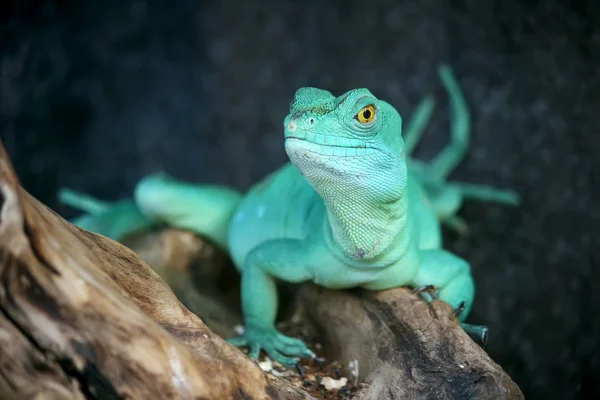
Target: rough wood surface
x=192 y=268
x=405 y=348
x=82 y=316
x=86 y=318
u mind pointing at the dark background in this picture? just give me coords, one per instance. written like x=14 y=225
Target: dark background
x=96 y=94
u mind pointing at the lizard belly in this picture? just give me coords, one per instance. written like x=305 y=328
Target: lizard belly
x=277 y=207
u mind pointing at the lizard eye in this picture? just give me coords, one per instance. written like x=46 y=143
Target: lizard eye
x=366 y=114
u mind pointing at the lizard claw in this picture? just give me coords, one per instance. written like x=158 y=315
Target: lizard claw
x=431 y=290
x=459 y=309
x=320 y=361
x=479 y=333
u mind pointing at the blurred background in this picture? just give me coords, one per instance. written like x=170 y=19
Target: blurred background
x=94 y=95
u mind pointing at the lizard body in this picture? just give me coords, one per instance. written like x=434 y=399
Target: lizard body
x=349 y=210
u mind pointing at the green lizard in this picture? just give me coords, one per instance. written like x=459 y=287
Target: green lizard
x=350 y=210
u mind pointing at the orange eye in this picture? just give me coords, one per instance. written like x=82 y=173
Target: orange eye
x=366 y=114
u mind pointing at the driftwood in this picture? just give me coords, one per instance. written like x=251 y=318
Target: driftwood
x=82 y=316
x=402 y=347
x=405 y=347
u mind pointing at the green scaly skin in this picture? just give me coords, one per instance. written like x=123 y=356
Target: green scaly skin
x=350 y=210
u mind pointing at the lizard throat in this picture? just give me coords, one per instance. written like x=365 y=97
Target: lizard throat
x=364 y=194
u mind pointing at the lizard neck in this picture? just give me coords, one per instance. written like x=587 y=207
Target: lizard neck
x=365 y=212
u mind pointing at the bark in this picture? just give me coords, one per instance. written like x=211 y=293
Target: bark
x=403 y=347
x=82 y=316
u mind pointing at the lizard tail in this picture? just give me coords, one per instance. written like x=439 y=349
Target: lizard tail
x=82 y=201
x=204 y=209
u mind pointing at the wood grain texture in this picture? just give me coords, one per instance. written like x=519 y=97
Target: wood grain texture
x=405 y=348
x=82 y=316
x=88 y=316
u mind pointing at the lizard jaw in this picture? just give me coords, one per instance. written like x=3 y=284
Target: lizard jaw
x=297 y=146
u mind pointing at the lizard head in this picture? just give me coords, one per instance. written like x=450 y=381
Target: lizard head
x=354 y=135
x=350 y=150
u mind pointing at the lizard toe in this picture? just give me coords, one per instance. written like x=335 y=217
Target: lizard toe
x=427 y=292
x=290 y=340
x=288 y=362
x=254 y=350
x=295 y=348
x=479 y=333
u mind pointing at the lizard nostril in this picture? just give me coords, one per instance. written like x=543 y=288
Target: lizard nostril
x=311 y=121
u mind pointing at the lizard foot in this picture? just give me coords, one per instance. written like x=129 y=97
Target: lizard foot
x=279 y=347
x=479 y=333
x=430 y=290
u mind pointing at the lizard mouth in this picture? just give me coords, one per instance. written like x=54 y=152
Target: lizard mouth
x=315 y=143
x=329 y=141
x=345 y=148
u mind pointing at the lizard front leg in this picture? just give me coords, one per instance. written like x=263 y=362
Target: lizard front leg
x=283 y=259
x=451 y=275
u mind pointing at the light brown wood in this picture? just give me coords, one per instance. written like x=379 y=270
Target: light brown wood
x=89 y=319
x=405 y=348
x=82 y=316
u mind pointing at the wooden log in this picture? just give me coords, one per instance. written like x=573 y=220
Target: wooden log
x=193 y=269
x=85 y=317
x=82 y=316
x=403 y=347
x=400 y=346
